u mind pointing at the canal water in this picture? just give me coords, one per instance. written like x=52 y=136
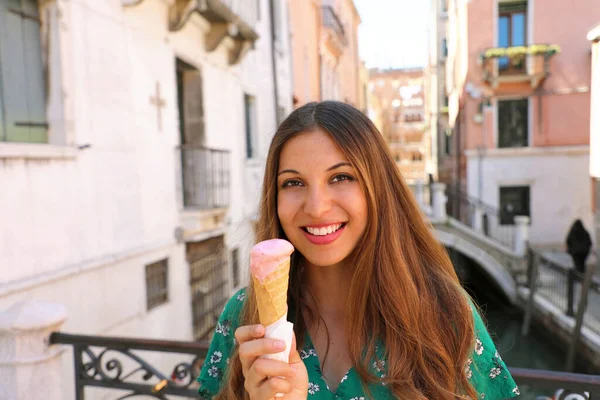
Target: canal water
x=537 y=350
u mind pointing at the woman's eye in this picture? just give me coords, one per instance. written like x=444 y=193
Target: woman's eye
x=341 y=178
x=291 y=183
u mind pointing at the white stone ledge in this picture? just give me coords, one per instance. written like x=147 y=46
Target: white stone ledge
x=81 y=267
x=530 y=151
x=34 y=151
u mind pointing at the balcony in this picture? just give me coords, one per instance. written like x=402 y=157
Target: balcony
x=228 y=19
x=516 y=65
x=205 y=177
x=335 y=36
x=412 y=170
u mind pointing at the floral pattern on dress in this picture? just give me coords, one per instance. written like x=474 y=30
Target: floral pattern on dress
x=485 y=369
x=224 y=328
x=313 y=388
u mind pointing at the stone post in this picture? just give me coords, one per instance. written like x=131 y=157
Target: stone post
x=478 y=218
x=521 y=234
x=29 y=368
x=419 y=193
x=439 y=201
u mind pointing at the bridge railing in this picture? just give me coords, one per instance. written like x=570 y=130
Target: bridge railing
x=561 y=285
x=125 y=365
x=561 y=384
x=480 y=216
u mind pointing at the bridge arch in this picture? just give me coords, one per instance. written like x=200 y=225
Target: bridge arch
x=497 y=273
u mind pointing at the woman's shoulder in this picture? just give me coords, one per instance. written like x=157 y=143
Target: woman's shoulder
x=485 y=368
x=221 y=346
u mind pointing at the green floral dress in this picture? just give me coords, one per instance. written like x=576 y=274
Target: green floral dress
x=485 y=368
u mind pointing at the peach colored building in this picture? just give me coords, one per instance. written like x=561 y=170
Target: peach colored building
x=400 y=111
x=325 y=51
x=518 y=81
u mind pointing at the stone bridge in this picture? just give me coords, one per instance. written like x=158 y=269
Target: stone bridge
x=476 y=233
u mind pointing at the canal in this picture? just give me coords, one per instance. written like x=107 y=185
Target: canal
x=538 y=350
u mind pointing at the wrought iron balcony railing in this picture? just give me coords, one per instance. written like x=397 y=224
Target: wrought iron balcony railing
x=205 y=176
x=123 y=365
x=331 y=21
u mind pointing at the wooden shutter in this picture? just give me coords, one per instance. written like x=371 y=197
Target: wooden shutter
x=193 y=113
x=512 y=6
x=21 y=73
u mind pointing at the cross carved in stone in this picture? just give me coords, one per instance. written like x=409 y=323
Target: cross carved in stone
x=159 y=102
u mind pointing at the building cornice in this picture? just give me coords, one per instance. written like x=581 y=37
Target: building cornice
x=529 y=151
x=594 y=34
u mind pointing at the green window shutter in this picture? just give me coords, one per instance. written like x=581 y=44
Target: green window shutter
x=512 y=6
x=21 y=73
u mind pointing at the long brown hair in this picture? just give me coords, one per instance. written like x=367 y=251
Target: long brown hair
x=404 y=291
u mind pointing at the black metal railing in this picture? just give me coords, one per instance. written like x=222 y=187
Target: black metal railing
x=561 y=384
x=331 y=20
x=206 y=177
x=123 y=364
x=561 y=285
x=479 y=216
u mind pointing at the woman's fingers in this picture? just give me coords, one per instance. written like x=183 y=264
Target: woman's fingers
x=249 y=332
x=253 y=349
x=263 y=368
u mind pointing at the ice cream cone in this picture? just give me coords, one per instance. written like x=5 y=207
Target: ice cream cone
x=271 y=294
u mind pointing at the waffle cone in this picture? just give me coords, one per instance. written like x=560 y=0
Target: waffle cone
x=271 y=295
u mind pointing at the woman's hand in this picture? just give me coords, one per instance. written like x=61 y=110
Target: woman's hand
x=263 y=377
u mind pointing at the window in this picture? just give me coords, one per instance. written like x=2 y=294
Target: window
x=513 y=123
x=448 y=142
x=235 y=263
x=157 y=284
x=514 y=201
x=512 y=31
x=191 y=105
x=277 y=28
x=250 y=111
x=22 y=80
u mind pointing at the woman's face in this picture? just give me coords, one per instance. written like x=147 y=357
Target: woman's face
x=320 y=203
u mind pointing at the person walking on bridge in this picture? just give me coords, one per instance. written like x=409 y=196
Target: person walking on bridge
x=579 y=244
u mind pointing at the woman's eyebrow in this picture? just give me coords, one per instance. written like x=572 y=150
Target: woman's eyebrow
x=288 y=171
x=339 y=165
x=336 y=166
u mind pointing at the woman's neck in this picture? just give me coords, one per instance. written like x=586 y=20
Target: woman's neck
x=328 y=287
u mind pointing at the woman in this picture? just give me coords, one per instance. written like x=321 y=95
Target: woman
x=377 y=308
x=579 y=243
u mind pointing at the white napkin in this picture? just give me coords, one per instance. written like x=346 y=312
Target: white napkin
x=281 y=330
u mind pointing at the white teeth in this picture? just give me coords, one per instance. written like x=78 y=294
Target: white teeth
x=327 y=230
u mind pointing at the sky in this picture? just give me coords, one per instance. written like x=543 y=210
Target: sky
x=393 y=33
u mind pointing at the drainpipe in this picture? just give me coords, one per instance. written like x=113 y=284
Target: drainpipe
x=274 y=60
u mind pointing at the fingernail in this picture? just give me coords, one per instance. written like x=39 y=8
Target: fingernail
x=294 y=370
x=257 y=329
x=280 y=345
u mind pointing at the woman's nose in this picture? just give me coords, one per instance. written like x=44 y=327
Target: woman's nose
x=318 y=202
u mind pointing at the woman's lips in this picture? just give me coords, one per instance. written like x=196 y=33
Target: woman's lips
x=324 y=239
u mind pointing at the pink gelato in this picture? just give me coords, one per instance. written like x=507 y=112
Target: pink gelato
x=267 y=255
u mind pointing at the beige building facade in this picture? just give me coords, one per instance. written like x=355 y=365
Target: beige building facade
x=594 y=37
x=324 y=37
x=399 y=108
x=518 y=82
x=436 y=100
